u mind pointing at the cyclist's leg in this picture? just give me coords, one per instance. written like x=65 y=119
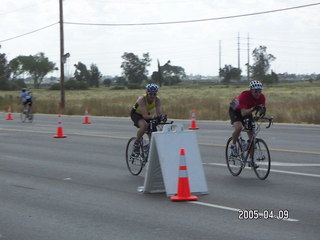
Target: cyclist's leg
x=236 y=132
x=27 y=107
x=143 y=126
x=23 y=107
x=236 y=121
x=251 y=151
x=139 y=123
x=23 y=114
x=30 y=106
x=250 y=135
x=30 y=113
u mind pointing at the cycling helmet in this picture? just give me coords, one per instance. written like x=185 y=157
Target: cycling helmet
x=23 y=89
x=255 y=85
x=152 y=87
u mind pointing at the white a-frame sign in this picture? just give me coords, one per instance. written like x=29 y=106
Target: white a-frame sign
x=163 y=161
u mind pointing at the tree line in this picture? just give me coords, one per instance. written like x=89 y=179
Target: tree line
x=258 y=70
x=134 y=72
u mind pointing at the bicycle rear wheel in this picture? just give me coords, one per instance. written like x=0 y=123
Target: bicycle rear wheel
x=234 y=163
x=261 y=157
x=135 y=163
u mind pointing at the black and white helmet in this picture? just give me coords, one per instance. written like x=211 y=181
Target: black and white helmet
x=255 y=85
x=152 y=87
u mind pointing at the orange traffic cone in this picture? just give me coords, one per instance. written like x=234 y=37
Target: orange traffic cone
x=183 y=193
x=9 y=115
x=193 y=125
x=59 y=133
x=86 y=117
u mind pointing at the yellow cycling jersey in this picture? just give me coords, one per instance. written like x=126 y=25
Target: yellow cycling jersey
x=149 y=106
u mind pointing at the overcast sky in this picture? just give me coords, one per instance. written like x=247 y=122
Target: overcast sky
x=292 y=36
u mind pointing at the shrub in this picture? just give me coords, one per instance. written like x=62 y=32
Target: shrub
x=134 y=86
x=55 y=86
x=107 y=82
x=118 y=88
x=71 y=85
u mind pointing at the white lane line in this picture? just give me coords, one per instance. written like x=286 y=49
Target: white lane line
x=296 y=173
x=272 y=170
x=295 y=164
x=237 y=210
x=271 y=149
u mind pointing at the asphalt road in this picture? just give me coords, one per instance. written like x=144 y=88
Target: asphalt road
x=79 y=188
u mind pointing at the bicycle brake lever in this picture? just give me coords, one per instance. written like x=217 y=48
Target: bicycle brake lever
x=270 y=122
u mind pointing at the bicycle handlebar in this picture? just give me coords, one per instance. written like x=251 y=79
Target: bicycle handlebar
x=270 y=119
x=154 y=122
x=157 y=122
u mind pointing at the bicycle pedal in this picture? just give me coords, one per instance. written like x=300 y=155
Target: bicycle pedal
x=253 y=165
x=261 y=158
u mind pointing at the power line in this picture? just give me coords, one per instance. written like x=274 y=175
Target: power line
x=37 y=30
x=164 y=23
x=191 y=21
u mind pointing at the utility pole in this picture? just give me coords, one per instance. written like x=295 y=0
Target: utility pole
x=219 y=57
x=62 y=57
x=219 y=54
x=239 y=50
x=248 y=64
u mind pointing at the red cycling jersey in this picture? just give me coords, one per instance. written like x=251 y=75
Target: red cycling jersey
x=245 y=101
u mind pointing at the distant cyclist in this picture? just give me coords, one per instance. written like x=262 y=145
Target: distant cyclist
x=141 y=112
x=26 y=99
x=242 y=107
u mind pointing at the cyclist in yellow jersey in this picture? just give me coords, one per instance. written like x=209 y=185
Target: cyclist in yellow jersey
x=141 y=112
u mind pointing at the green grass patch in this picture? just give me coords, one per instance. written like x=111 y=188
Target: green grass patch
x=291 y=103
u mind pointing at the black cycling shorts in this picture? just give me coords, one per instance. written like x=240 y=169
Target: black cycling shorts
x=27 y=102
x=135 y=117
x=235 y=116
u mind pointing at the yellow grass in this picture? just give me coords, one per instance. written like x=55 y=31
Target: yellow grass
x=286 y=104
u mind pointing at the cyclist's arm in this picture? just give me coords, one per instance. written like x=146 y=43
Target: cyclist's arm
x=158 y=107
x=246 y=111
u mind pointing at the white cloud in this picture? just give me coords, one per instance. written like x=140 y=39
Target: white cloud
x=291 y=36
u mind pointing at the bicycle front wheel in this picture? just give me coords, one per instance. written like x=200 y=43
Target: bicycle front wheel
x=23 y=117
x=234 y=163
x=261 y=158
x=30 y=115
x=135 y=163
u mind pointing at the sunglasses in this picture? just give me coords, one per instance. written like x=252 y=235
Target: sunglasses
x=257 y=91
x=152 y=94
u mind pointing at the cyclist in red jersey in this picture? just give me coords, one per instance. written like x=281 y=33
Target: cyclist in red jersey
x=242 y=107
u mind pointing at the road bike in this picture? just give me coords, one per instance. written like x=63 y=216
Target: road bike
x=135 y=162
x=254 y=152
x=26 y=113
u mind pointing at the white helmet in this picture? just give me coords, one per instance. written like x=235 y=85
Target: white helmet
x=255 y=85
